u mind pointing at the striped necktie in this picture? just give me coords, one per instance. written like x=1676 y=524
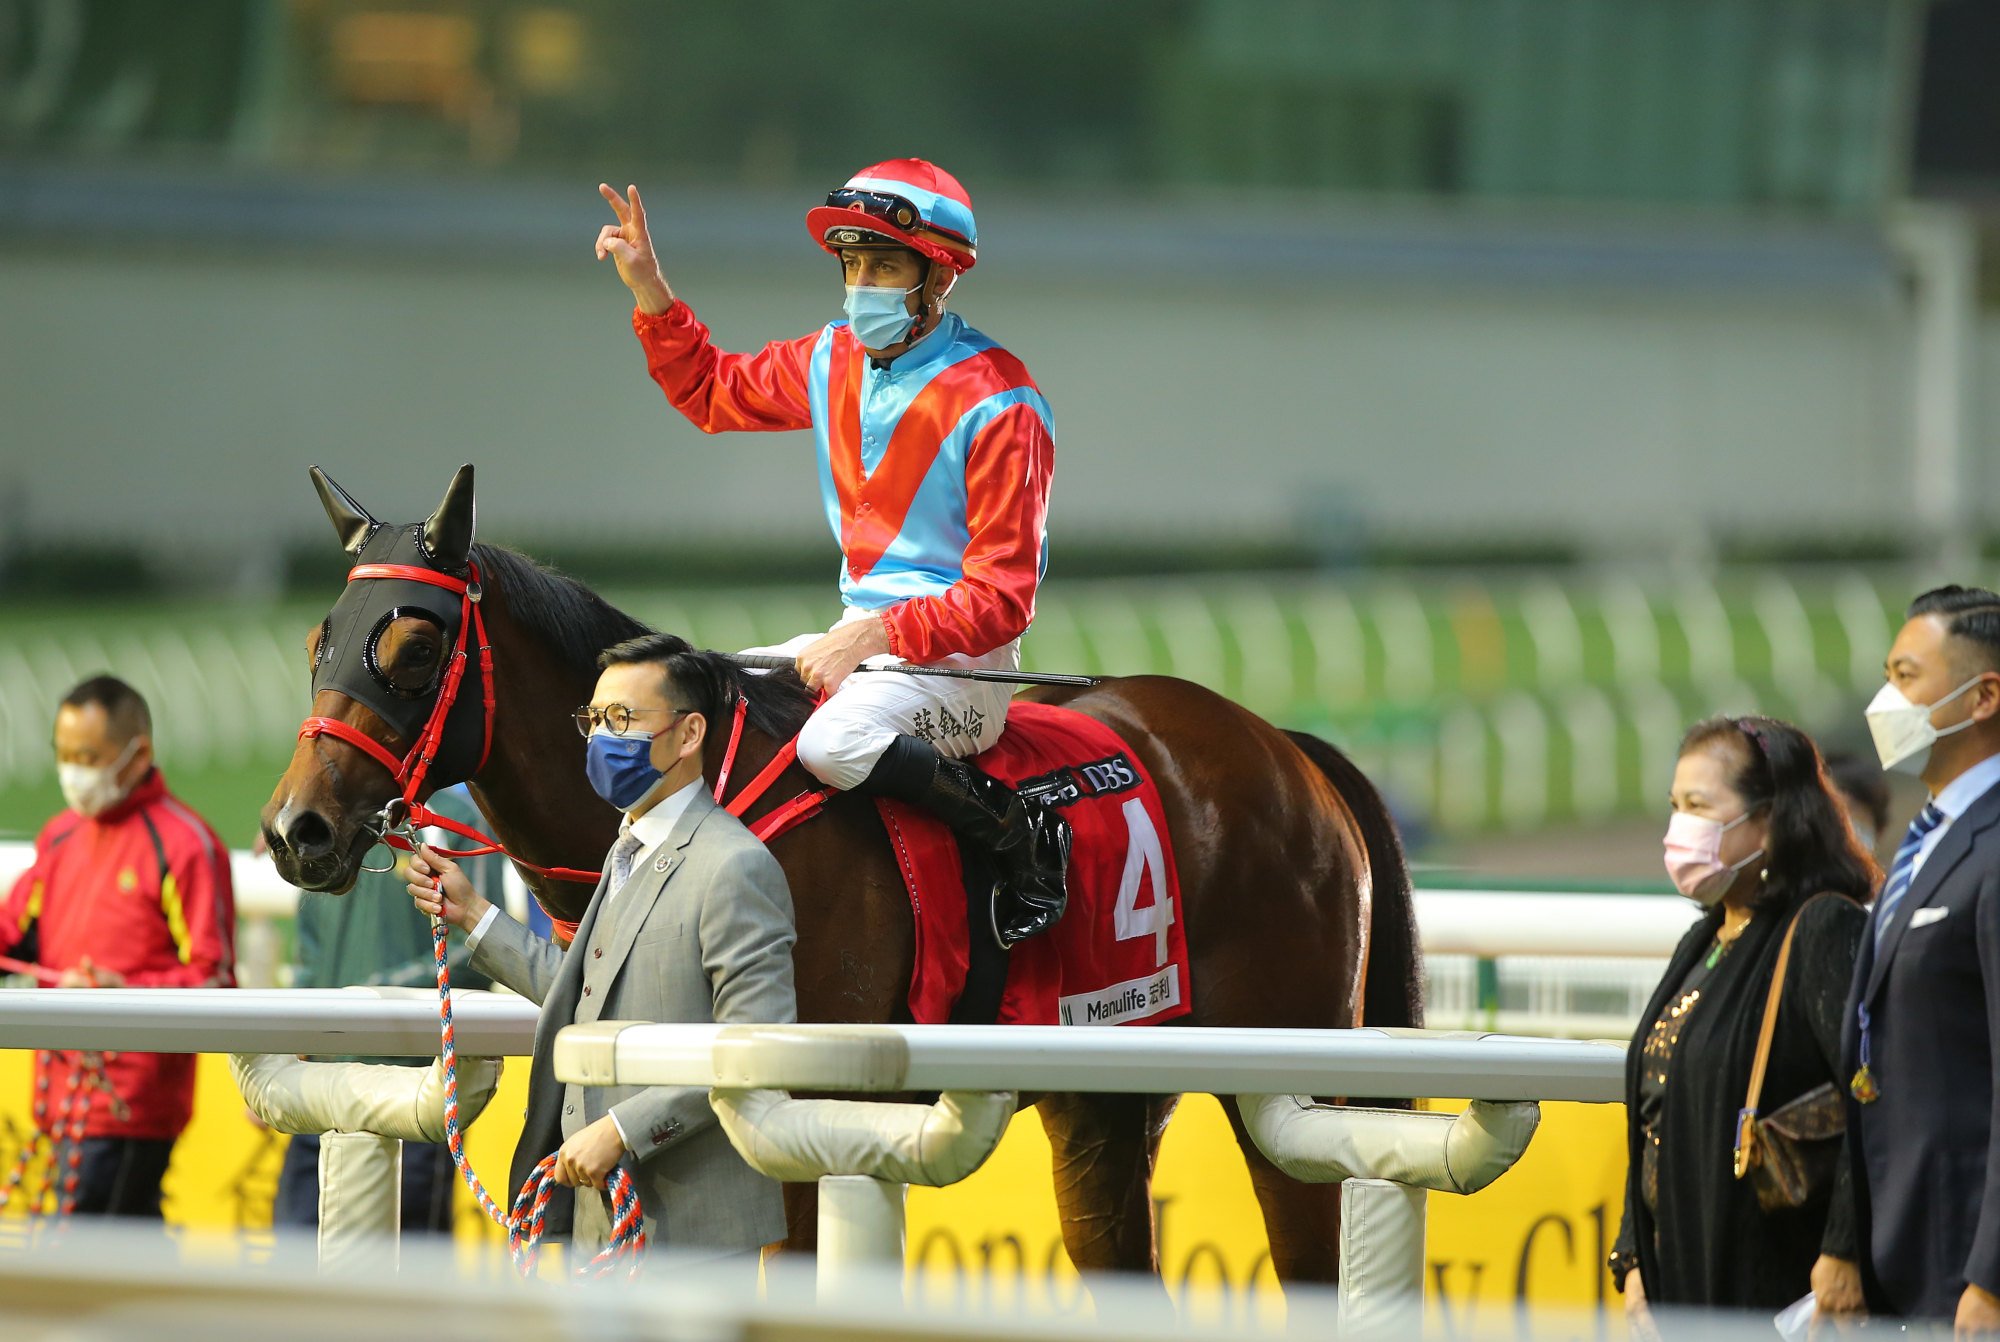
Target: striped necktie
x=1903 y=869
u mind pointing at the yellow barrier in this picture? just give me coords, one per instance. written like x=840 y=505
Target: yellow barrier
x=1539 y=1235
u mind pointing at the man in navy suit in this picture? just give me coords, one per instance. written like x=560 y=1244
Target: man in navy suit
x=1924 y=1011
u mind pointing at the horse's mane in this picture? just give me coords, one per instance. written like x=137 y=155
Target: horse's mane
x=573 y=620
x=579 y=624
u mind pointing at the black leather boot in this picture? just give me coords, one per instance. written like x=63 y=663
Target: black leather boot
x=1026 y=841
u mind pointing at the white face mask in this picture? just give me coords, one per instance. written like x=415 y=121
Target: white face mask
x=1902 y=730
x=92 y=789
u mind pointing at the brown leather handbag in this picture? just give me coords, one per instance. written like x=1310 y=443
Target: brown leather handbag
x=1791 y=1153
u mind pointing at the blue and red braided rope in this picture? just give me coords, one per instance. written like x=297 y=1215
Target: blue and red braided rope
x=525 y=1221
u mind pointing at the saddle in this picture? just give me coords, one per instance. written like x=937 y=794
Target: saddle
x=1118 y=956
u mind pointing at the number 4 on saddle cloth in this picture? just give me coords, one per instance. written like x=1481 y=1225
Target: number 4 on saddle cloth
x=1119 y=955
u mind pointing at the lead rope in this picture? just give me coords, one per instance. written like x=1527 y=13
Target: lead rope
x=524 y=1223
x=60 y=1146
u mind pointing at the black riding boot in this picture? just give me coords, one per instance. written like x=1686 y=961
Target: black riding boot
x=1026 y=841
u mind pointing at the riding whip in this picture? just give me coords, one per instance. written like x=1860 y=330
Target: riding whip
x=760 y=662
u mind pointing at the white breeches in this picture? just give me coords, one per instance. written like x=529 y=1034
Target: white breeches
x=848 y=733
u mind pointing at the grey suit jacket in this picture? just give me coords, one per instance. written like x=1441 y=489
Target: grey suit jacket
x=702 y=932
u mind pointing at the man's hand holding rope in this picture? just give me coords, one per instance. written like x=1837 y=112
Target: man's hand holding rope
x=586 y=1160
x=441 y=890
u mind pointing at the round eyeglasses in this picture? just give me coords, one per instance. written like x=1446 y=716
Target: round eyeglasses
x=617 y=718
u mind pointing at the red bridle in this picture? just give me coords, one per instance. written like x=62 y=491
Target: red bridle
x=411 y=770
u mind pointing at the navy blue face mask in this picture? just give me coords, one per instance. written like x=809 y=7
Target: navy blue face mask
x=620 y=768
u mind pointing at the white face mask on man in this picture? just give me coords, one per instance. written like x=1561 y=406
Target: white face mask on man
x=92 y=789
x=1902 y=730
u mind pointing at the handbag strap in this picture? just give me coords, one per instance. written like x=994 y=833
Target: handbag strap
x=1771 y=1001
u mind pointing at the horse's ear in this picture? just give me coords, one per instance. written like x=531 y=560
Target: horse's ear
x=448 y=531
x=351 y=521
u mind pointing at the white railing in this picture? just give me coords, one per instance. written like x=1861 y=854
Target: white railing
x=895 y=1058
x=865 y=1154
x=390 y=1022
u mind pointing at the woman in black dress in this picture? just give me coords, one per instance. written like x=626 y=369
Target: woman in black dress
x=1758 y=840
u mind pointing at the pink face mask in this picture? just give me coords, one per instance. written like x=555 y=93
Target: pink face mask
x=1694 y=856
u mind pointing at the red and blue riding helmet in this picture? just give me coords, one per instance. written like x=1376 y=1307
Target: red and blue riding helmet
x=905 y=201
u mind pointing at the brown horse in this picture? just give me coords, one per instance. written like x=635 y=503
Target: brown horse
x=1293 y=883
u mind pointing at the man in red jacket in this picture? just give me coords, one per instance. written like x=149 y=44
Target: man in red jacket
x=129 y=889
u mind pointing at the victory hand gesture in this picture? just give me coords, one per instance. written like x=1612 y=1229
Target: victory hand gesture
x=630 y=247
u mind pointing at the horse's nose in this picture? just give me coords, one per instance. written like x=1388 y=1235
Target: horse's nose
x=309 y=837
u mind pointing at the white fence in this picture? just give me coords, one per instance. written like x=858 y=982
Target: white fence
x=865 y=1155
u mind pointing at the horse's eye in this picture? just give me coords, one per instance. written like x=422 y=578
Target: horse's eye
x=403 y=652
x=415 y=665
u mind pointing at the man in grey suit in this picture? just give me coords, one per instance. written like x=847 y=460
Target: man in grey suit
x=692 y=922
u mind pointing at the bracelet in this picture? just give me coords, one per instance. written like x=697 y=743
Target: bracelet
x=1619 y=1264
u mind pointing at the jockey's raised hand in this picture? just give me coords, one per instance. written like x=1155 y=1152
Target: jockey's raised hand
x=630 y=248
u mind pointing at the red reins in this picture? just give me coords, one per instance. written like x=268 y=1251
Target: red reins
x=789 y=816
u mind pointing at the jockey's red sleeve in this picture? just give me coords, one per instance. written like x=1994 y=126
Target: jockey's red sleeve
x=719 y=391
x=1007 y=474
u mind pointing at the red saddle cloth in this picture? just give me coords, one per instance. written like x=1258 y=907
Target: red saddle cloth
x=1119 y=955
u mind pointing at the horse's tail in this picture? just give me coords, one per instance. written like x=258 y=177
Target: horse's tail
x=1393 y=993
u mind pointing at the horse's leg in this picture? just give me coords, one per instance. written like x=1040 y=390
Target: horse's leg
x=1302 y=1221
x=1283 y=886
x=1104 y=1147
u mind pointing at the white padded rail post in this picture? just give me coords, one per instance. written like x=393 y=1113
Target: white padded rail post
x=865 y=1156
x=1381 y=1259
x=295 y=1096
x=360 y=1202
x=1449 y=1153
x=364 y=1112
x=860 y=1226
x=801 y=1140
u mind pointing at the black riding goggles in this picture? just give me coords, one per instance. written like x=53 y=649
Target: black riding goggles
x=883 y=205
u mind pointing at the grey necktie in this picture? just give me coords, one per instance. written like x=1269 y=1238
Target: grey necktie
x=623 y=854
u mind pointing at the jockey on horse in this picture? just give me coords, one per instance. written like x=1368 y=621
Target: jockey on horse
x=935 y=456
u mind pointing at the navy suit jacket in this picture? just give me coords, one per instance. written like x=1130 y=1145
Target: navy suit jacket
x=1928 y=1150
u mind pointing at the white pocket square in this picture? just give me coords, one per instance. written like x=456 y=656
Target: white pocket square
x=1925 y=917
